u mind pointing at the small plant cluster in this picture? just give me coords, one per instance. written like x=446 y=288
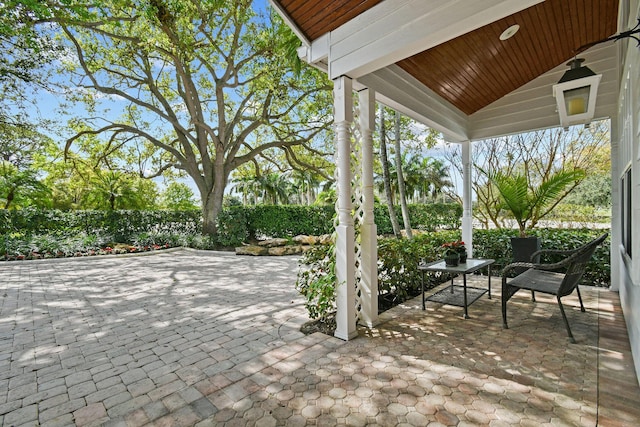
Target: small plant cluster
x=398 y=280
x=17 y=247
x=453 y=248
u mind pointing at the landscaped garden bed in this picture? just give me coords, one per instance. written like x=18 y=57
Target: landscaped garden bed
x=117 y=249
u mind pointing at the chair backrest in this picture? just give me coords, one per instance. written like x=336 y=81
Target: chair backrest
x=578 y=264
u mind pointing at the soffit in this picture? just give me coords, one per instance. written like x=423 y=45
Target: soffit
x=476 y=69
x=315 y=18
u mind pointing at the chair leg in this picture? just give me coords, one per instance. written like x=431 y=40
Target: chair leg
x=533 y=296
x=505 y=298
x=504 y=314
x=580 y=298
x=566 y=322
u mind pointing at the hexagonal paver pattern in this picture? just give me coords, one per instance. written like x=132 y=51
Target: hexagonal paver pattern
x=188 y=338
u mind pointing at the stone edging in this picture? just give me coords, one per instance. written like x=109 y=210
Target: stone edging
x=279 y=247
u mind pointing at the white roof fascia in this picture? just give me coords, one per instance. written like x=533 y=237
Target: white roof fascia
x=317 y=51
x=397 y=29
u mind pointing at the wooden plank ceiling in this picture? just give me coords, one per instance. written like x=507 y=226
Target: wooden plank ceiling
x=477 y=68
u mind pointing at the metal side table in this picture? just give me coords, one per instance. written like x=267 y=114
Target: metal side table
x=449 y=295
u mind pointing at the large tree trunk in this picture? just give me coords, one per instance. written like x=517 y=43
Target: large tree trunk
x=212 y=204
x=401 y=189
x=211 y=208
x=386 y=176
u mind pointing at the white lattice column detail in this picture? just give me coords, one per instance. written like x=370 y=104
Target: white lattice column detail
x=345 y=233
x=467 y=217
x=368 y=230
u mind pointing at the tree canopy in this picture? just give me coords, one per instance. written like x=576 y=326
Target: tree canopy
x=203 y=87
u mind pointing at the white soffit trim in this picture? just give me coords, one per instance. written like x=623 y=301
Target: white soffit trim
x=397 y=29
x=399 y=90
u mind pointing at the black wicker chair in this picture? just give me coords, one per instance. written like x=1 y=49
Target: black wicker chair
x=559 y=279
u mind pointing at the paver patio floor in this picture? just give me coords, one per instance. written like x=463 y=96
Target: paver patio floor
x=183 y=338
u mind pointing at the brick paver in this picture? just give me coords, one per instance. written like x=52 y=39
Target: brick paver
x=100 y=339
x=186 y=338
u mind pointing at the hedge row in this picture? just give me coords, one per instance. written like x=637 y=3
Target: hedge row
x=236 y=224
x=120 y=223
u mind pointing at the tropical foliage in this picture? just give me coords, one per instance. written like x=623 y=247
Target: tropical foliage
x=528 y=203
x=200 y=88
x=537 y=156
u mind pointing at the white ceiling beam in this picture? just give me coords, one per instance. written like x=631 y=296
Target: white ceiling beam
x=397 y=29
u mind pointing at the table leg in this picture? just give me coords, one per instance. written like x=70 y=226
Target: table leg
x=451 y=287
x=464 y=284
x=489 y=281
x=422 y=287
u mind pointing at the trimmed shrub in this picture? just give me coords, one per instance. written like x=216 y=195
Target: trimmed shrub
x=232 y=227
x=236 y=223
x=398 y=277
x=288 y=220
x=427 y=217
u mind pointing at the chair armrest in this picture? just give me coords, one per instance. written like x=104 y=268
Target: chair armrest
x=547 y=267
x=554 y=251
x=507 y=269
x=569 y=252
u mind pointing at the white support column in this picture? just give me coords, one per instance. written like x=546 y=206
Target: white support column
x=368 y=230
x=467 y=217
x=617 y=266
x=345 y=241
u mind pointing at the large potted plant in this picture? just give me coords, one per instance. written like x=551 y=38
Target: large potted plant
x=528 y=203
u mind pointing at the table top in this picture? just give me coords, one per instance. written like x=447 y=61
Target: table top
x=470 y=266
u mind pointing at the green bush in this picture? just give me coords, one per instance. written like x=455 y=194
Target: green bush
x=232 y=227
x=427 y=217
x=235 y=223
x=398 y=277
x=288 y=221
x=119 y=224
x=317 y=281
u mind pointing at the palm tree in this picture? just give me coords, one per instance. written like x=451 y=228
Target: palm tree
x=247 y=187
x=275 y=187
x=437 y=178
x=414 y=176
x=529 y=203
x=386 y=176
x=19 y=186
x=305 y=182
x=401 y=188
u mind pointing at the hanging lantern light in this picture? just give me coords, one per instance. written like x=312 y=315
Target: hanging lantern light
x=576 y=94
